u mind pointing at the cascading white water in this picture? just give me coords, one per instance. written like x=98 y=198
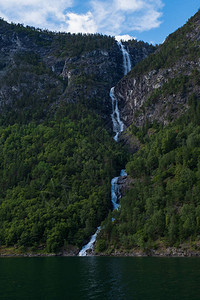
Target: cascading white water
x=123 y=173
x=126 y=58
x=115 y=192
x=90 y=245
x=118 y=127
x=115 y=196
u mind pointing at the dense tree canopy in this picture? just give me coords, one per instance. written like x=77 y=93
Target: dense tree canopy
x=55 y=179
x=163 y=204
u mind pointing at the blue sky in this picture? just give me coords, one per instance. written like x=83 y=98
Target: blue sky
x=148 y=20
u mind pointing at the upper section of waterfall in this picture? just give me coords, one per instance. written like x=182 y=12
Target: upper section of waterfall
x=118 y=125
x=126 y=58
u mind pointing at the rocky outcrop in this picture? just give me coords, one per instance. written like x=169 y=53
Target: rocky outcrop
x=133 y=95
x=167 y=252
x=159 y=88
x=41 y=68
x=124 y=183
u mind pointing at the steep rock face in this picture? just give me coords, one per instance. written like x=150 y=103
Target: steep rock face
x=97 y=71
x=159 y=88
x=90 y=76
x=40 y=69
x=138 y=50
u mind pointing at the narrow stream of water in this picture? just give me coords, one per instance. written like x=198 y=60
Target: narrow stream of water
x=118 y=127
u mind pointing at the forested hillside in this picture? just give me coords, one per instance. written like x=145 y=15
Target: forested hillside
x=39 y=70
x=55 y=180
x=161 y=208
x=57 y=154
x=159 y=87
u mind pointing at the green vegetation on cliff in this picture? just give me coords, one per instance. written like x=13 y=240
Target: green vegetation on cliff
x=163 y=204
x=161 y=207
x=57 y=156
x=182 y=44
x=55 y=179
x=60 y=43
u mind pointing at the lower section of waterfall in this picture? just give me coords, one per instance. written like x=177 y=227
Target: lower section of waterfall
x=115 y=197
x=90 y=246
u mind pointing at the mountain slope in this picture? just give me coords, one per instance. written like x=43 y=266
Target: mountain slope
x=160 y=102
x=158 y=89
x=39 y=70
x=57 y=157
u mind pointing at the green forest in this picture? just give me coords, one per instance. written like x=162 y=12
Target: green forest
x=57 y=157
x=55 y=180
x=163 y=206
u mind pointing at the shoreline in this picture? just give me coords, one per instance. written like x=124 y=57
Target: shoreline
x=170 y=252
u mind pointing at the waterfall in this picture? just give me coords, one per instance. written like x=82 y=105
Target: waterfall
x=115 y=192
x=118 y=127
x=115 y=196
x=126 y=58
x=90 y=245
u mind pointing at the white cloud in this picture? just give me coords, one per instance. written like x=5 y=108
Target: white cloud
x=125 y=37
x=113 y=17
x=129 y=5
x=120 y=16
x=149 y=20
x=81 y=23
x=39 y=13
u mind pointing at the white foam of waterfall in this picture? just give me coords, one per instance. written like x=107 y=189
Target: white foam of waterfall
x=123 y=173
x=118 y=125
x=126 y=58
x=115 y=192
x=115 y=196
x=90 y=245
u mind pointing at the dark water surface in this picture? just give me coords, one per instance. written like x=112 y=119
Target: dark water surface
x=99 y=278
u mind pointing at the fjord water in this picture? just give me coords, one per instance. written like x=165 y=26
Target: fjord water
x=111 y=278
